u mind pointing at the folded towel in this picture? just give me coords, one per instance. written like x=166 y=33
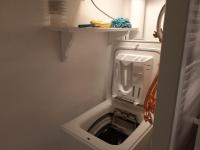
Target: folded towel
x=121 y=23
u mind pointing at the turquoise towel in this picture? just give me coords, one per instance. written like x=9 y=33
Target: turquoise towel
x=121 y=23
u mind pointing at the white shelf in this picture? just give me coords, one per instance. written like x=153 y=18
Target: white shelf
x=101 y=29
x=90 y=29
x=66 y=35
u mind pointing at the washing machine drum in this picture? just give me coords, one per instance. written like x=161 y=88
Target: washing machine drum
x=114 y=127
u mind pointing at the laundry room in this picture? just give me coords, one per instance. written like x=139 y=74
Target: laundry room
x=98 y=74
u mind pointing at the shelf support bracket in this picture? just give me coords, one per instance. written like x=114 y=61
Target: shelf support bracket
x=65 y=44
x=125 y=35
x=113 y=36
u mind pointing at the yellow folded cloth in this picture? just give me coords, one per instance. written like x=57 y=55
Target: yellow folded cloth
x=100 y=24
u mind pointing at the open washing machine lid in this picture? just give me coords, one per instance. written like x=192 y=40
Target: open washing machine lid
x=131 y=76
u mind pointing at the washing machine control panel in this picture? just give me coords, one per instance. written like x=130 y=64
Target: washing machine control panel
x=132 y=76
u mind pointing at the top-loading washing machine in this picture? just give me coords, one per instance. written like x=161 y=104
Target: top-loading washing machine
x=117 y=123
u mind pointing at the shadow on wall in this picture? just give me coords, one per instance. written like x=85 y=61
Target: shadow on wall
x=38 y=93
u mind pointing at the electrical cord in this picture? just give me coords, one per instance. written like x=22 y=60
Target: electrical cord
x=95 y=5
x=159 y=31
x=151 y=97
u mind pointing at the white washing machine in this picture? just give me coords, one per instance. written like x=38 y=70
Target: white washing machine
x=117 y=123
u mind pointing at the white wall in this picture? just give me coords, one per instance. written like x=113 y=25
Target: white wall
x=83 y=11
x=153 y=8
x=38 y=93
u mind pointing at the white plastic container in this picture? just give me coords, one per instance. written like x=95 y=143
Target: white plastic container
x=57 y=12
